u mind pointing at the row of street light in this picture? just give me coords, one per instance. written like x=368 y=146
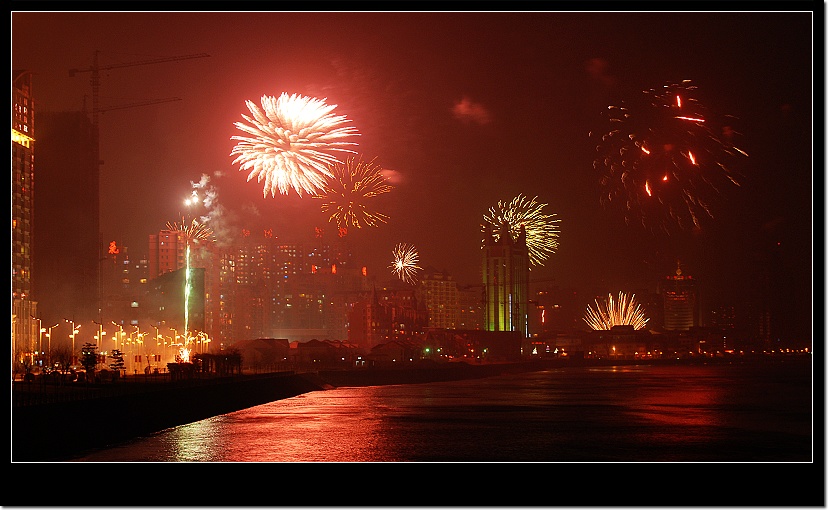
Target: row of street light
x=134 y=345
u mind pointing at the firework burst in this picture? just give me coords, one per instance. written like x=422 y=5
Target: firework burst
x=194 y=232
x=621 y=312
x=291 y=143
x=405 y=263
x=542 y=232
x=346 y=191
x=665 y=160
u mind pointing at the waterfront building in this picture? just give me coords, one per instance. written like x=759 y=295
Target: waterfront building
x=470 y=303
x=275 y=288
x=681 y=301
x=384 y=315
x=439 y=293
x=505 y=279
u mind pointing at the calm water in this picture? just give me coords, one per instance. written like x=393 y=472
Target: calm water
x=719 y=413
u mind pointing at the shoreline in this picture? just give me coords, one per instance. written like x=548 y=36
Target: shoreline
x=59 y=431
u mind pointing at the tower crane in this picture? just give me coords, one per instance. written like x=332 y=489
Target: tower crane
x=139 y=103
x=95 y=80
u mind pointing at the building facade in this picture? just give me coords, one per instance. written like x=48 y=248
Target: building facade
x=67 y=249
x=680 y=297
x=505 y=278
x=439 y=292
x=25 y=326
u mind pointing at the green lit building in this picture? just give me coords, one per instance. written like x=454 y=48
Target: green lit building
x=506 y=282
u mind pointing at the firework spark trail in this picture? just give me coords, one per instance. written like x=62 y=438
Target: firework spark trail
x=622 y=312
x=195 y=232
x=346 y=191
x=542 y=231
x=664 y=160
x=405 y=263
x=291 y=143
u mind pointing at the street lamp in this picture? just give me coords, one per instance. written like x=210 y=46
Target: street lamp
x=157 y=337
x=100 y=337
x=136 y=345
x=101 y=333
x=39 y=330
x=49 y=336
x=174 y=341
x=120 y=333
x=74 y=332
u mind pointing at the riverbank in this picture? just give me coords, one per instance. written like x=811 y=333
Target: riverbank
x=57 y=431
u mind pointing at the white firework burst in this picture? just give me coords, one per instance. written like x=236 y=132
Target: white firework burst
x=291 y=143
x=405 y=263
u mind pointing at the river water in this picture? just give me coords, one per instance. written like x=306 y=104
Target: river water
x=752 y=412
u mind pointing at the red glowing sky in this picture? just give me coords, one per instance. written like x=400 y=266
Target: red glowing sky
x=465 y=108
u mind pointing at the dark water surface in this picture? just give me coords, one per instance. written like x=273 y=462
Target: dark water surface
x=753 y=412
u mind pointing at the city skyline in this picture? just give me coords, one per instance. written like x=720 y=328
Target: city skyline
x=487 y=107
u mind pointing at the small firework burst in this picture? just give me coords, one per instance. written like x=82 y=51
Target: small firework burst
x=194 y=232
x=405 y=263
x=665 y=158
x=347 y=190
x=621 y=312
x=291 y=143
x=542 y=232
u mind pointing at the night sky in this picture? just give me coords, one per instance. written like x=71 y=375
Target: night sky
x=462 y=109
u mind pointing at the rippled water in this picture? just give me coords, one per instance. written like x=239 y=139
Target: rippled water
x=739 y=413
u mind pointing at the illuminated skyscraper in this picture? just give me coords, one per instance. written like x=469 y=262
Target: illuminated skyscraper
x=505 y=277
x=24 y=328
x=681 y=301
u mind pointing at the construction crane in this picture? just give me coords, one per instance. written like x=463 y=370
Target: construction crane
x=139 y=103
x=95 y=80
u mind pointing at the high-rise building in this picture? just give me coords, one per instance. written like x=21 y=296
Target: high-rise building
x=269 y=287
x=470 y=303
x=505 y=277
x=438 y=291
x=67 y=250
x=24 y=308
x=125 y=283
x=681 y=301
x=167 y=252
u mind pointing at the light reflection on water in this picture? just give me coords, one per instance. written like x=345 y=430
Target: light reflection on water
x=641 y=413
